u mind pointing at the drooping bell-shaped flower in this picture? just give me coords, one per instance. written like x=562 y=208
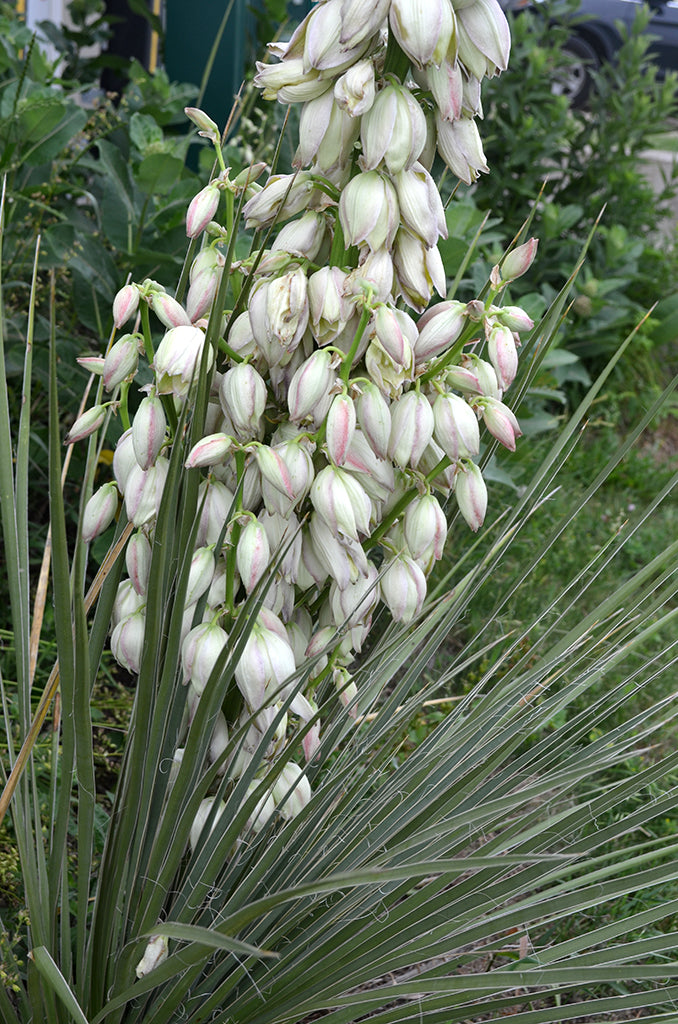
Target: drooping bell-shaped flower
x=177 y=360
x=99 y=512
x=455 y=426
x=368 y=211
x=423 y=28
x=403 y=588
x=148 y=430
x=471 y=493
x=393 y=131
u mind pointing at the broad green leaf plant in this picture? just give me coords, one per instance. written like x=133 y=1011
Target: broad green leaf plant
x=303 y=437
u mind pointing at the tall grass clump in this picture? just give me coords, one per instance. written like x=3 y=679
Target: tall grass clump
x=294 y=520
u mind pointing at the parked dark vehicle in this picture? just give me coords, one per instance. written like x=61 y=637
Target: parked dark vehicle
x=596 y=37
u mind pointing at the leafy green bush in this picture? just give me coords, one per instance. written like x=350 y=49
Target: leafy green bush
x=591 y=162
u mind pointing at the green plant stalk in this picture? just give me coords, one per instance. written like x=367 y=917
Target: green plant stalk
x=347 y=362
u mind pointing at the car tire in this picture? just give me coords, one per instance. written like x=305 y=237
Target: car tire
x=574 y=79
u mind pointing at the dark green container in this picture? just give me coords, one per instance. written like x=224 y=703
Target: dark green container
x=190 y=31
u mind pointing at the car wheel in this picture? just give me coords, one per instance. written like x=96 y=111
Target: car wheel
x=574 y=78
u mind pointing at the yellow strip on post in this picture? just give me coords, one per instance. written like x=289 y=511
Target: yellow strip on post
x=153 y=53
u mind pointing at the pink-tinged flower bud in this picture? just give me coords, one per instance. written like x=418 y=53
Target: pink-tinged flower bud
x=155 y=953
x=310 y=386
x=501 y=349
x=463 y=379
x=374 y=417
x=169 y=312
x=208 y=259
x=411 y=428
x=341 y=422
x=253 y=554
x=243 y=395
x=202 y=121
x=282 y=196
x=143 y=491
x=125 y=304
x=376 y=475
x=148 y=430
x=267 y=662
x=177 y=360
x=354 y=92
x=368 y=211
x=99 y=512
x=127 y=641
x=518 y=261
x=455 y=427
x=124 y=459
x=439 y=328
x=419 y=270
x=127 y=602
x=293 y=790
x=92 y=364
x=329 y=309
x=460 y=147
x=200 y=574
x=396 y=332
x=421 y=207
x=201 y=294
x=403 y=588
x=138 y=562
x=500 y=421
x=425 y=528
x=342 y=502
x=200 y=652
x=513 y=317
x=360 y=19
x=217 y=502
x=485 y=24
x=393 y=131
x=87 y=424
x=121 y=361
x=471 y=493
x=488 y=385
x=303 y=237
x=342 y=559
x=275 y=471
x=202 y=209
x=424 y=29
x=208 y=807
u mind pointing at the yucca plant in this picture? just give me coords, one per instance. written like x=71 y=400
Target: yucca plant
x=274 y=587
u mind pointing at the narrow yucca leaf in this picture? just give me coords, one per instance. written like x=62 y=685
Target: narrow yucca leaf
x=55 y=979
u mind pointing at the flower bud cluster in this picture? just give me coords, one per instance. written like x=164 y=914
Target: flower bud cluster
x=338 y=423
